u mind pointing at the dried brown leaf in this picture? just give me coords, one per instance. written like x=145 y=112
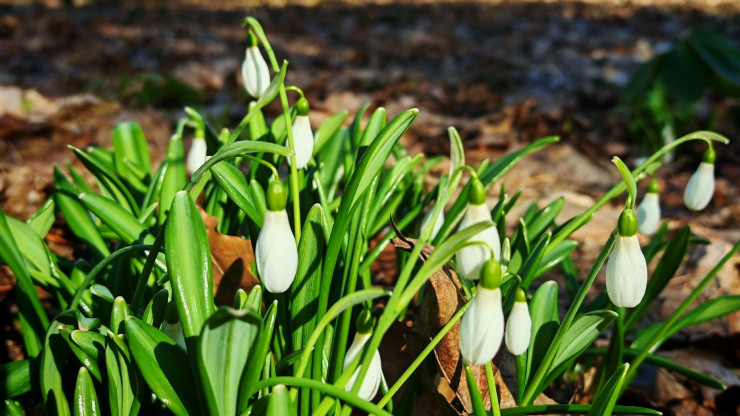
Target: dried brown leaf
x=232 y=262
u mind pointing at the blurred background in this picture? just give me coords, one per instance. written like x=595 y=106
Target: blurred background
x=609 y=77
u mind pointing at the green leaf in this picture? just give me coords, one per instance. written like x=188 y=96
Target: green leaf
x=76 y=215
x=43 y=219
x=605 y=399
x=30 y=245
x=254 y=367
x=683 y=74
x=129 y=144
x=543 y=310
x=305 y=289
x=164 y=366
x=232 y=181
x=53 y=357
x=189 y=265
x=373 y=127
x=225 y=345
x=175 y=176
x=122 y=378
x=664 y=271
x=573 y=409
x=16 y=377
x=340 y=306
x=279 y=403
x=581 y=334
x=544 y=218
x=86 y=400
x=122 y=222
x=11 y=408
x=154 y=312
x=328 y=129
x=108 y=180
x=707 y=311
x=32 y=316
x=475 y=397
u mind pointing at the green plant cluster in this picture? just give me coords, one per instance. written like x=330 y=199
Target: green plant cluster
x=139 y=332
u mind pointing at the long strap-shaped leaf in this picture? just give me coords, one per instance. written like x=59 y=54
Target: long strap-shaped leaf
x=189 y=264
x=31 y=311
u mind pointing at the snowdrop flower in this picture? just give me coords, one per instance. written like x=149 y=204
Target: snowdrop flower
x=626 y=271
x=648 y=212
x=482 y=325
x=700 y=189
x=302 y=135
x=197 y=154
x=470 y=259
x=255 y=75
x=519 y=325
x=171 y=325
x=371 y=382
x=437 y=224
x=276 y=251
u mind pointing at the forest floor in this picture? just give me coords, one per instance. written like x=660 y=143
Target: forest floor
x=503 y=72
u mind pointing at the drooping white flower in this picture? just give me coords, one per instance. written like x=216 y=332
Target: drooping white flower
x=371 y=382
x=255 y=74
x=648 y=212
x=700 y=189
x=196 y=155
x=437 y=224
x=519 y=325
x=276 y=252
x=303 y=141
x=626 y=271
x=470 y=259
x=482 y=325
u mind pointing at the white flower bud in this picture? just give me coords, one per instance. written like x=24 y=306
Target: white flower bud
x=255 y=74
x=470 y=259
x=700 y=189
x=482 y=327
x=302 y=141
x=371 y=382
x=518 y=328
x=276 y=252
x=648 y=214
x=437 y=224
x=626 y=272
x=197 y=155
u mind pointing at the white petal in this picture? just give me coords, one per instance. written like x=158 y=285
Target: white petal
x=255 y=75
x=518 y=328
x=482 y=327
x=471 y=258
x=303 y=141
x=276 y=252
x=648 y=214
x=371 y=382
x=437 y=224
x=197 y=155
x=626 y=273
x=700 y=189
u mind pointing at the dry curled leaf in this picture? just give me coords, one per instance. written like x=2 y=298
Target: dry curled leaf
x=232 y=258
x=442 y=298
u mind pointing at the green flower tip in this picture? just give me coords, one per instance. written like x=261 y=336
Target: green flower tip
x=709 y=156
x=364 y=322
x=491 y=274
x=251 y=39
x=627 y=225
x=520 y=295
x=477 y=194
x=277 y=196
x=302 y=106
x=653 y=187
